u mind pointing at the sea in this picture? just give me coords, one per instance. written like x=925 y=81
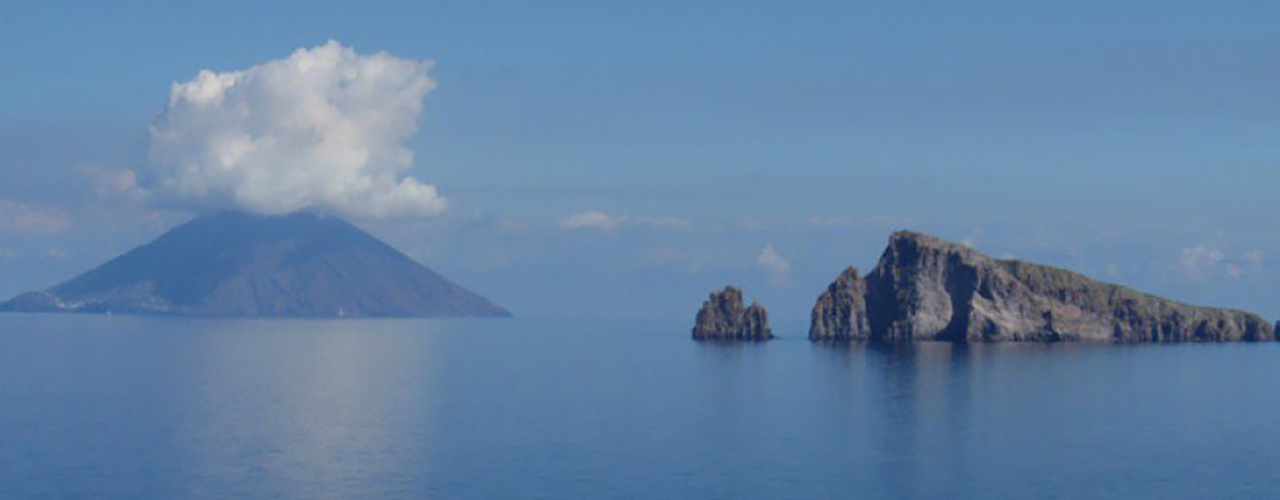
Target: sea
x=113 y=407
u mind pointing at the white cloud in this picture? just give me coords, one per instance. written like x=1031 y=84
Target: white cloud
x=15 y=216
x=1201 y=260
x=1255 y=259
x=322 y=129
x=1204 y=261
x=1249 y=262
x=592 y=219
x=599 y=220
x=851 y=222
x=111 y=183
x=663 y=222
x=772 y=262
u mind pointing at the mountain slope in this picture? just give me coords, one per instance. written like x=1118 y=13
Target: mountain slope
x=238 y=264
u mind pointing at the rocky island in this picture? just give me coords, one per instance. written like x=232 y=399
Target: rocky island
x=924 y=288
x=722 y=317
x=245 y=265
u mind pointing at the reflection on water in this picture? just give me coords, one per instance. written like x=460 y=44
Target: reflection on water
x=94 y=407
x=309 y=410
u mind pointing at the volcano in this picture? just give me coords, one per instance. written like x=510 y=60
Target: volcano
x=235 y=264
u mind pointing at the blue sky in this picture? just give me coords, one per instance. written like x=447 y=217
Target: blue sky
x=1133 y=141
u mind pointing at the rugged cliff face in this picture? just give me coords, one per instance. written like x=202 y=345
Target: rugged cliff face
x=841 y=311
x=925 y=288
x=723 y=318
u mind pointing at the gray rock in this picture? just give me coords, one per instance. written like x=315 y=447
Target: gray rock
x=722 y=317
x=925 y=288
x=238 y=264
x=841 y=311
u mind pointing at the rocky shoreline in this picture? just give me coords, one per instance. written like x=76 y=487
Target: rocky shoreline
x=927 y=289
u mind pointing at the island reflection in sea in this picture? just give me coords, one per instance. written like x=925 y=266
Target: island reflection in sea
x=115 y=407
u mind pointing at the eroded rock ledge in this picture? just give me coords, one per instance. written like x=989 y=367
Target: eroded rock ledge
x=925 y=288
x=722 y=317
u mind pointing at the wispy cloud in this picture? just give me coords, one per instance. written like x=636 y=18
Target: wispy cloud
x=599 y=220
x=1255 y=258
x=20 y=217
x=1204 y=261
x=848 y=222
x=592 y=219
x=662 y=222
x=1201 y=260
x=112 y=183
x=773 y=263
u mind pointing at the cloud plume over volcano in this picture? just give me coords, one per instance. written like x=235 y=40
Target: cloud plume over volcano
x=322 y=129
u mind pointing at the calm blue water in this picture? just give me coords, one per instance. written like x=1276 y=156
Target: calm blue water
x=111 y=407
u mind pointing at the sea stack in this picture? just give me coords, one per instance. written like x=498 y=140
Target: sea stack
x=925 y=288
x=841 y=311
x=722 y=317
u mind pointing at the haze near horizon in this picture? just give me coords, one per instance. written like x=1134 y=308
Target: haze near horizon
x=632 y=158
